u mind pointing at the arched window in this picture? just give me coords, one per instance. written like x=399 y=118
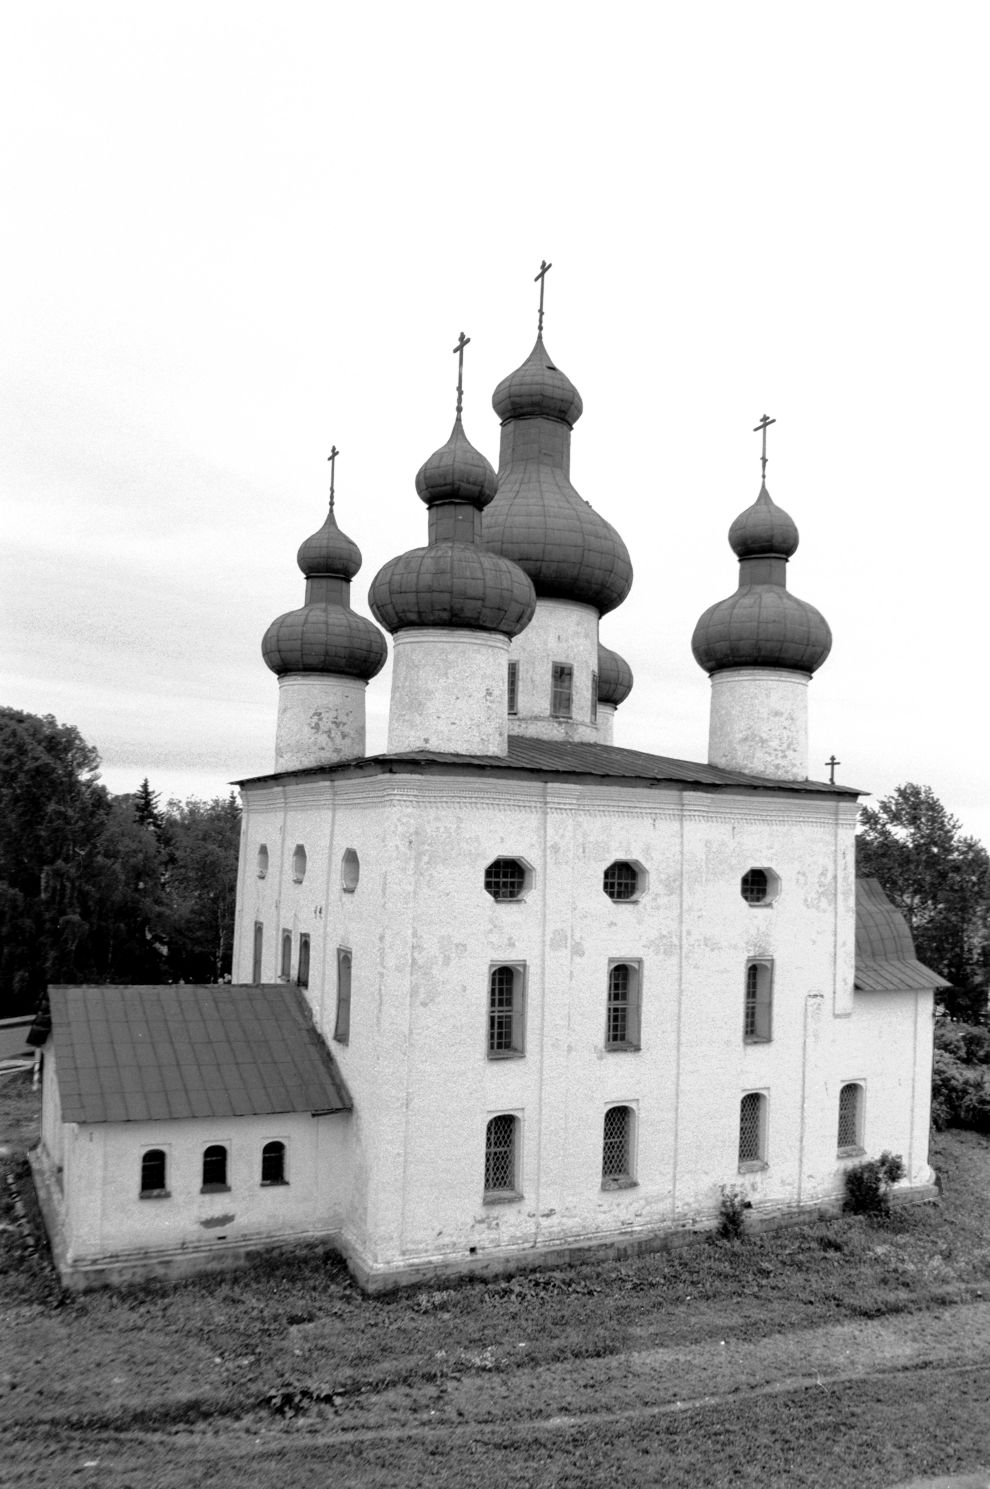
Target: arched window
x=500 y=1156
x=215 y=1167
x=850 y=1118
x=273 y=1163
x=753 y=1129
x=153 y=1172
x=259 y=946
x=342 y=1029
x=617 y=1147
x=757 y=1017
x=286 y=968
x=622 y=1023
x=506 y=1010
x=302 y=976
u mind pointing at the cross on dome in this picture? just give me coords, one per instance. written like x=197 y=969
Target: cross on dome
x=332 y=457
x=539 y=279
x=764 y=424
x=462 y=342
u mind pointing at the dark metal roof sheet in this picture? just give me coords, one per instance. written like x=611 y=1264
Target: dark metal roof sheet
x=136 y=1054
x=549 y=758
x=885 y=959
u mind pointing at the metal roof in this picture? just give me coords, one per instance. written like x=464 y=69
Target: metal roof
x=137 y=1054
x=885 y=959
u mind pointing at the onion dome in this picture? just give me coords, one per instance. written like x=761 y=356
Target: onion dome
x=762 y=625
x=456 y=472
x=538 y=388
x=329 y=551
x=615 y=677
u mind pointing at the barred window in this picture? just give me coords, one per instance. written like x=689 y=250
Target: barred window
x=286 y=968
x=850 y=1117
x=561 y=690
x=752 y=1128
x=273 y=1163
x=500 y=1155
x=506 y=1018
x=621 y=880
x=153 y=1171
x=513 y=688
x=594 y=697
x=617 y=1145
x=505 y=878
x=215 y=1167
x=259 y=945
x=757 y=1018
x=342 y=1029
x=759 y=886
x=302 y=976
x=622 y=1020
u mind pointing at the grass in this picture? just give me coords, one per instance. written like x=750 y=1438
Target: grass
x=564 y=1377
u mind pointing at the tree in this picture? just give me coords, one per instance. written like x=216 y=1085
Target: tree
x=202 y=840
x=939 y=879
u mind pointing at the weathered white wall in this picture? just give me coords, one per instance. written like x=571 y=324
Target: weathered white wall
x=560 y=631
x=320 y=720
x=759 y=722
x=448 y=692
x=606 y=723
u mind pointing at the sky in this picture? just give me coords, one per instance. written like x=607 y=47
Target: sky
x=237 y=233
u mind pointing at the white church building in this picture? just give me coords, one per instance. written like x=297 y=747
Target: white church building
x=507 y=992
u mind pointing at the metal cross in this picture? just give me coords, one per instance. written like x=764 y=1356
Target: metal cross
x=832 y=763
x=462 y=342
x=764 y=424
x=544 y=266
x=332 y=457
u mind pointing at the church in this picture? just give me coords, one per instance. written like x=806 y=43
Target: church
x=508 y=993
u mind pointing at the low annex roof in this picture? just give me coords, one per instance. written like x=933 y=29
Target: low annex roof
x=137 y=1054
x=549 y=758
x=885 y=959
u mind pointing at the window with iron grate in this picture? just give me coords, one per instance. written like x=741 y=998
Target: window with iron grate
x=513 y=689
x=759 y=886
x=617 y=1147
x=621 y=880
x=850 y=1118
x=622 y=1017
x=506 y=1012
x=273 y=1163
x=342 y=1028
x=757 y=1017
x=500 y=1156
x=506 y=879
x=215 y=1167
x=752 y=1128
x=153 y=1173
x=561 y=690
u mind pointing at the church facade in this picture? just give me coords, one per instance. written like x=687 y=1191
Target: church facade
x=546 y=994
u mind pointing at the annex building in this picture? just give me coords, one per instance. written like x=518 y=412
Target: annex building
x=509 y=991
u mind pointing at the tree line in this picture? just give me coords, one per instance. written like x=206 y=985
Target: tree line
x=102 y=888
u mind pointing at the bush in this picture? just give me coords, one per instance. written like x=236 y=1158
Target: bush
x=732 y=1209
x=868 y=1184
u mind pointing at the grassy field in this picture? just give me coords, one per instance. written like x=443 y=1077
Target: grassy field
x=844 y=1352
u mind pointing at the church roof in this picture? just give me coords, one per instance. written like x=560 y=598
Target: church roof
x=885 y=959
x=138 y=1054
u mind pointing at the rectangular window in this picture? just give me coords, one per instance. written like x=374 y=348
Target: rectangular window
x=752 y=1129
x=622 y=1016
x=154 y=1176
x=594 y=697
x=617 y=1148
x=302 y=976
x=506 y=1011
x=259 y=943
x=759 y=1002
x=501 y=1157
x=561 y=690
x=215 y=1167
x=342 y=1030
x=513 y=698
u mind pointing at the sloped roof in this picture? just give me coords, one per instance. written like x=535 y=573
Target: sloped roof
x=545 y=758
x=885 y=959
x=136 y=1054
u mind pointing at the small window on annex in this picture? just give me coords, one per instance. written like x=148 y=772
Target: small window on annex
x=561 y=690
x=506 y=1011
x=302 y=975
x=153 y=1173
x=617 y=1148
x=262 y=861
x=759 y=886
x=622 y=1022
x=285 y=970
x=507 y=878
x=758 y=1014
x=350 y=870
x=512 y=703
x=273 y=1163
x=299 y=864
x=342 y=1028
x=623 y=880
x=850 y=1138
x=501 y=1158
x=259 y=946
x=215 y=1167
x=752 y=1129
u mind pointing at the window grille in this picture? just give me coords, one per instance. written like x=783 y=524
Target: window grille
x=500 y=1155
x=273 y=1163
x=561 y=690
x=513 y=688
x=594 y=697
x=215 y=1167
x=505 y=879
x=505 y=1011
x=259 y=942
x=342 y=1030
x=751 y=1128
x=153 y=1171
x=759 y=1002
x=622 y=1023
x=620 y=881
x=754 y=887
x=849 y=1116
x=616 y=1158
x=286 y=972
x=302 y=976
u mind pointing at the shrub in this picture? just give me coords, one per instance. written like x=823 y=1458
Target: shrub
x=732 y=1208
x=868 y=1184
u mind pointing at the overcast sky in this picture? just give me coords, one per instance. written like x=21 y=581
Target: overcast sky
x=235 y=233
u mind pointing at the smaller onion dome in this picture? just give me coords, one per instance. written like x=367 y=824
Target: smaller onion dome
x=327 y=638
x=457 y=472
x=329 y=551
x=763 y=528
x=615 y=677
x=452 y=584
x=538 y=388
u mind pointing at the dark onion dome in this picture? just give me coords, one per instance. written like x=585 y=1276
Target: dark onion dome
x=324 y=637
x=615 y=677
x=538 y=388
x=763 y=528
x=452 y=584
x=456 y=472
x=762 y=625
x=329 y=551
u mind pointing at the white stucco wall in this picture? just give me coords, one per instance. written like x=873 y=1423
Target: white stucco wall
x=321 y=719
x=448 y=692
x=759 y=722
x=560 y=631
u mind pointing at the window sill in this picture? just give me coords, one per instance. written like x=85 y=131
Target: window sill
x=753 y=1166
x=502 y=1196
x=760 y=905
x=623 y=1047
x=155 y=1194
x=620 y=1181
x=854 y=1152
x=274 y=1183
x=757 y=1039
x=215 y=1189
x=506 y=1054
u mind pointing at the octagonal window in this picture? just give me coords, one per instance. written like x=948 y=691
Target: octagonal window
x=262 y=861
x=299 y=864
x=508 y=878
x=624 y=880
x=759 y=886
